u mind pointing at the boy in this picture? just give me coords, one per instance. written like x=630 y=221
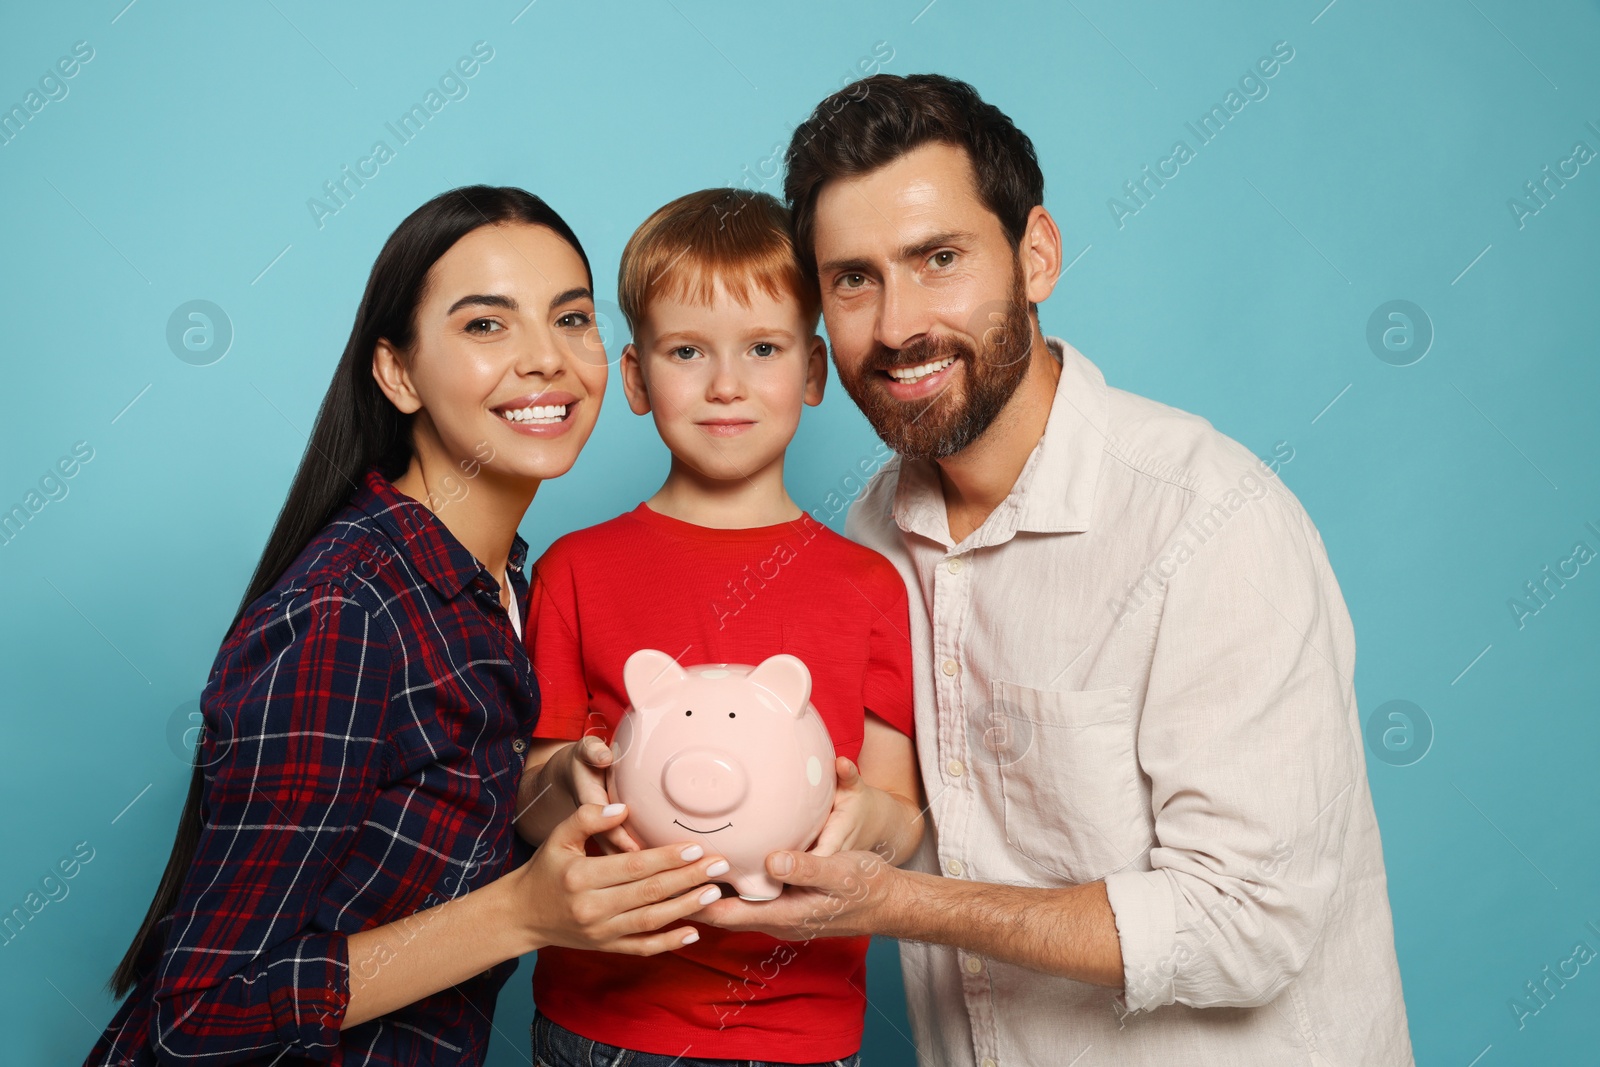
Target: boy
x=720 y=565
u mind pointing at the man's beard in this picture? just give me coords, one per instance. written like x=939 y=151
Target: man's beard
x=943 y=424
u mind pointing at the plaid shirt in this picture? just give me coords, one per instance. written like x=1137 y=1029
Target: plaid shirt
x=365 y=729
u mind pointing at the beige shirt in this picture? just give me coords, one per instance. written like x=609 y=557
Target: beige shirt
x=1138 y=669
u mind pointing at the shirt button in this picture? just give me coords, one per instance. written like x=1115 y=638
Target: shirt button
x=956 y=768
x=954 y=566
x=950 y=667
x=519 y=745
x=954 y=867
x=973 y=965
x=987 y=1062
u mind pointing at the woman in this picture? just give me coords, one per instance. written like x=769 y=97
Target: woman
x=346 y=878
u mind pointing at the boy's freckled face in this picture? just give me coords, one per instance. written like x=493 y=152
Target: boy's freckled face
x=725 y=381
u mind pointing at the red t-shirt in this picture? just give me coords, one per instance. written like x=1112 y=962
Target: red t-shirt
x=703 y=595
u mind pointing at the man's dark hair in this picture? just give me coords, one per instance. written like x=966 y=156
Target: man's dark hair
x=873 y=122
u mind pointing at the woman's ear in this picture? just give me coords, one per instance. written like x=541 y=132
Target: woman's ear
x=816 y=370
x=393 y=378
x=633 y=381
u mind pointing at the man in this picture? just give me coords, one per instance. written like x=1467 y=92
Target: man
x=1152 y=837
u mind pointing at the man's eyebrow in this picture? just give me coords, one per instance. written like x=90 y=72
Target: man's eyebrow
x=494 y=300
x=928 y=244
x=915 y=250
x=844 y=266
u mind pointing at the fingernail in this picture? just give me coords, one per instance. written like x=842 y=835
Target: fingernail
x=612 y=809
x=719 y=867
x=691 y=937
x=711 y=893
x=782 y=863
x=692 y=853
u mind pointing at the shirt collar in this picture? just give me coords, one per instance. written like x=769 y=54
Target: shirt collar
x=1054 y=493
x=438 y=556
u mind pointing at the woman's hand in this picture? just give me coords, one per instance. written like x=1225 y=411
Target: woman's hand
x=860 y=813
x=618 y=903
x=584 y=778
x=562 y=896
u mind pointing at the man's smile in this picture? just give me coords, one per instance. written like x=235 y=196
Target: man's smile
x=919 y=380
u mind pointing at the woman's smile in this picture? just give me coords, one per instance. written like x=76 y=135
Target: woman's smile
x=548 y=414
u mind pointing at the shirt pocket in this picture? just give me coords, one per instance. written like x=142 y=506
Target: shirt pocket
x=1071 y=792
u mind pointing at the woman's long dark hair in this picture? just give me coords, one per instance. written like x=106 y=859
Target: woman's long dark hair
x=356 y=428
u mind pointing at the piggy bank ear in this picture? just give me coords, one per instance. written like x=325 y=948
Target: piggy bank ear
x=786 y=678
x=648 y=674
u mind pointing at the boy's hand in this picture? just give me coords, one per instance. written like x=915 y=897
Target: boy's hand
x=859 y=813
x=584 y=775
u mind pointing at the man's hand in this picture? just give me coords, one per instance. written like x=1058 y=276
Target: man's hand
x=1068 y=931
x=842 y=895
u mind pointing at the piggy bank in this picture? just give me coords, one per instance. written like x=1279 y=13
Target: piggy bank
x=732 y=756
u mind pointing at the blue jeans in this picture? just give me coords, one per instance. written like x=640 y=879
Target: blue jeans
x=556 y=1046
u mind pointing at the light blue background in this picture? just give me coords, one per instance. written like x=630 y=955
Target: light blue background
x=1378 y=168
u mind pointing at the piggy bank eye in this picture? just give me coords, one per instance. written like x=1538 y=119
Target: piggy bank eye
x=686 y=712
x=731 y=715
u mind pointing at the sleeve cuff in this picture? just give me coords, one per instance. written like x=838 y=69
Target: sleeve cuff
x=900 y=714
x=560 y=724
x=1146 y=916
x=311 y=992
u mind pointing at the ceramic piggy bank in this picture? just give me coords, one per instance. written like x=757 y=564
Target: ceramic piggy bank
x=732 y=756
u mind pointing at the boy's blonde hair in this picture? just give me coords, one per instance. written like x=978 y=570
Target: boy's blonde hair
x=684 y=248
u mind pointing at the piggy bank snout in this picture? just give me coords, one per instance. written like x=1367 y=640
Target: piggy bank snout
x=704 y=781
